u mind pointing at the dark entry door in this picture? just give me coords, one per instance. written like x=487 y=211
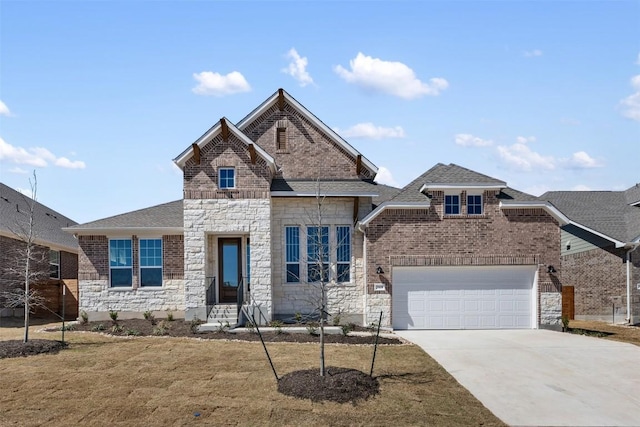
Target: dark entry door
x=230 y=268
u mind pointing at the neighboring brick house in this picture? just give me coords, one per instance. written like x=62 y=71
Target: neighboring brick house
x=56 y=265
x=600 y=260
x=249 y=229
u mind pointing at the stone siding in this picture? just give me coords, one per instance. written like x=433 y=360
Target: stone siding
x=228 y=218
x=497 y=237
x=96 y=297
x=551 y=308
x=345 y=299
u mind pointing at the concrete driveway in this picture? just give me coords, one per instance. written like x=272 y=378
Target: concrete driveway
x=542 y=378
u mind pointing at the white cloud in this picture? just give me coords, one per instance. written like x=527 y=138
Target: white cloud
x=581 y=187
x=581 y=160
x=390 y=77
x=298 y=68
x=19 y=171
x=468 y=140
x=638 y=60
x=63 y=162
x=4 y=110
x=525 y=139
x=532 y=53
x=520 y=157
x=384 y=177
x=210 y=83
x=371 y=131
x=631 y=104
x=37 y=157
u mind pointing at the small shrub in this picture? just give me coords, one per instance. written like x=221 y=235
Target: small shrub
x=312 y=328
x=84 y=317
x=298 y=317
x=250 y=326
x=346 y=329
x=194 y=324
x=336 y=320
x=113 y=315
x=565 y=322
x=98 y=327
x=277 y=324
x=161 y=328
x=170 y=316
x=223 y=327
x=116 y=329
x=148 y=315
x=67 y=328
x=133 y=332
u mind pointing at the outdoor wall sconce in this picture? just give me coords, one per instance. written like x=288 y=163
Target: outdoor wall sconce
x=379 y=270
x=551 y=269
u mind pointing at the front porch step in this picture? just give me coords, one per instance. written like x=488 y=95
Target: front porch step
x=217 y=326
x=223 y=313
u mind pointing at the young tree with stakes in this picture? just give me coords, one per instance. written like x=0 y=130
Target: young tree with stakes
x=27 y=260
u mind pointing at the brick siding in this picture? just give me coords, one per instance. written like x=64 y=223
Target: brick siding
x=599 y=277
x=310 y=153
x=497 y=237
x=201 y=180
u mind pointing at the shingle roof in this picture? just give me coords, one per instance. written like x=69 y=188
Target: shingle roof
x=606 y=212
x=166 y=215
x=352 y=187
x=48 y=224
x=442 y=174
x=633 y=194
x=385 y=193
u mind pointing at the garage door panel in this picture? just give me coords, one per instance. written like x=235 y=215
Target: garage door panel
x=470 y=297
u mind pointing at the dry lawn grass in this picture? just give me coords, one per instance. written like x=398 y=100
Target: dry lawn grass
x=630 y=334
x=103 y=380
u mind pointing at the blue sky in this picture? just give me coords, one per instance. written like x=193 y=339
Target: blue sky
x=99 y=96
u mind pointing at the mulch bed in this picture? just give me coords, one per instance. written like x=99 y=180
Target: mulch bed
x=18 y=348
x=180 y=328
x=340 y=385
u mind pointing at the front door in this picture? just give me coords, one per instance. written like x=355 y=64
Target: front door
x=230 y=268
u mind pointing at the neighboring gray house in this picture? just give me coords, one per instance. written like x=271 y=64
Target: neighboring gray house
x=600 y=260
x=453 y=249
x=58 y=250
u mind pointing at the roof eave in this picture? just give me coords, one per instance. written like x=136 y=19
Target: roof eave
x=361 y=225
x=42 y=242
x=321 y=194
x=181 y=160
x=124 y=231
x=444 y=187
x=548 y=207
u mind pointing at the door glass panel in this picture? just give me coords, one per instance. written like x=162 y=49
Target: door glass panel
x=230 y=264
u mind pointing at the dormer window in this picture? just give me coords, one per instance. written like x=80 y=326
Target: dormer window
x=281 y=138
x=226 y=178
x=474 y=205
x=452 y=204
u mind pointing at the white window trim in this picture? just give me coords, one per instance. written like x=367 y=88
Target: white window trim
x=444 y=204
x=350 y=263
x=303 y=259
x=481 y=204
x=140 y=267
x=286 y=263
x=111 y=287
x=53 y=263
x=235 y=177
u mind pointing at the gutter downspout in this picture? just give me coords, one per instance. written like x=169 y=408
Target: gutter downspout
x=635 y=246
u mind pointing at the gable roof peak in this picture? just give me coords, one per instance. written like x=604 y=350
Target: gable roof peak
x=281 y=97
x=226 y=128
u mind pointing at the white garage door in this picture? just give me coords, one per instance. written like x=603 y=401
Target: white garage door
x=488 y=297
